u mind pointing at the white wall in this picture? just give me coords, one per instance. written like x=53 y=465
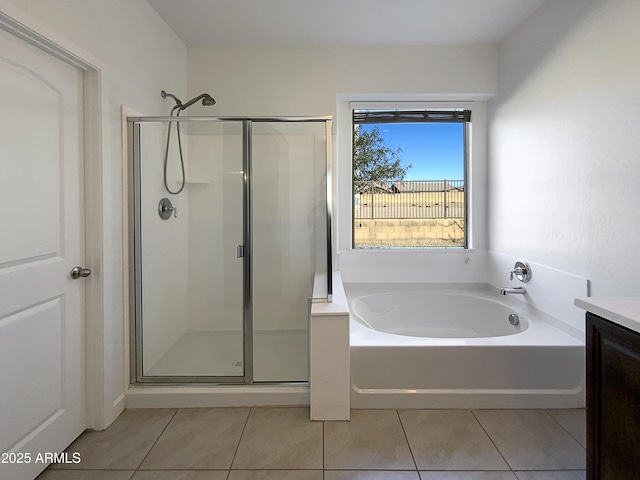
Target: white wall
x=307 y=80
x=141 y=53
x=276 y=81
x=564 y=155
x=139 y=56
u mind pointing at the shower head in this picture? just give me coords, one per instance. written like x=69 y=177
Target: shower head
x=207 y=100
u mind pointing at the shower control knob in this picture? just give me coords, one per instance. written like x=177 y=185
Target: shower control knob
x=166 y=209
x=79 y=272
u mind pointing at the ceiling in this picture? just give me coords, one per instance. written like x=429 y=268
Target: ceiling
x=342 y=22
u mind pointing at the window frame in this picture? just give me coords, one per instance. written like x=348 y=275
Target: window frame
x=467 y=154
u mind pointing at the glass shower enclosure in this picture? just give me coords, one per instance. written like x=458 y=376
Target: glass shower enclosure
x=223 y=270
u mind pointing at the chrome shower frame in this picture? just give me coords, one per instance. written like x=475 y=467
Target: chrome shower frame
x=135 y=244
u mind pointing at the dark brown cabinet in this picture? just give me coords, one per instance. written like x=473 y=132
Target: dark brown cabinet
x=613 y=401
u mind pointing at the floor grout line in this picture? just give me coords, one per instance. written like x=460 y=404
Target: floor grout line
x=562 y=426
x=415 y=464
x=156 y=441
x=511 y=469
x=244 y=427
x=323 y=459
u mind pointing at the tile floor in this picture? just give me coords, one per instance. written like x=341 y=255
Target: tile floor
x=282 y=444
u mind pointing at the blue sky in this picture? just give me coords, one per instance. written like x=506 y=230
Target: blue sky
x=435 y=151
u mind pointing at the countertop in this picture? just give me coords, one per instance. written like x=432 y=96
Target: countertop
x=624 y=311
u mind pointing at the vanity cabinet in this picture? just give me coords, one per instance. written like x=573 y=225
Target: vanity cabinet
x=613 y=400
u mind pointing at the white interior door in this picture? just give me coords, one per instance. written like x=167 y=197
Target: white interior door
x=42 y=384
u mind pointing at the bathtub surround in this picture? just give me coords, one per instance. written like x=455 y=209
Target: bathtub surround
x=387 y=372
x=383 y=369
x=406 y=266
x=550 y=290
x=538 y=367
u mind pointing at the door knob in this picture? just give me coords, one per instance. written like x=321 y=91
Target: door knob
x=77 y=272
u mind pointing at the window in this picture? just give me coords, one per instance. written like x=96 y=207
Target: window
x=409 y=178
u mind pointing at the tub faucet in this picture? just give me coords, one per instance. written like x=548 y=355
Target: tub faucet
x=513 y=290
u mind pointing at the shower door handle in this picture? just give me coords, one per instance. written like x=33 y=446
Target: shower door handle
x=239 y=251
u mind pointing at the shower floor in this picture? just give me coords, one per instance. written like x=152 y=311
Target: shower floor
x=278 y=356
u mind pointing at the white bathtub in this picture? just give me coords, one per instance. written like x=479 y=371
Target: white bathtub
x=436 y=315
x=413 y=346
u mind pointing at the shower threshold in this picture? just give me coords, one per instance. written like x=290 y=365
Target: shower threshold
x=200 y=396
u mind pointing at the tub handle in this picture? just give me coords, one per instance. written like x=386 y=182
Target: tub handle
x=522 y=271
